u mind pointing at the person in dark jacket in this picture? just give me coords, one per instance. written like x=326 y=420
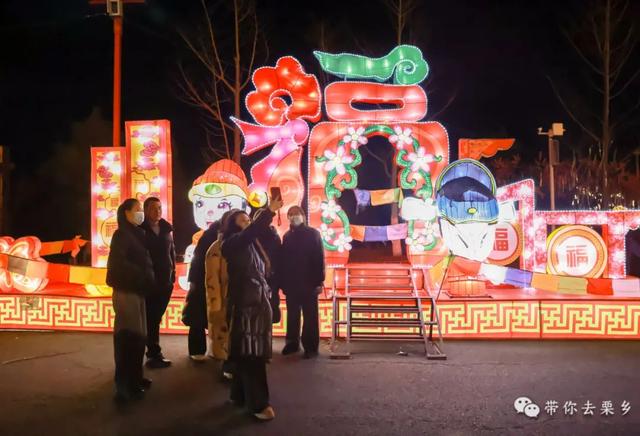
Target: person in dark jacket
x=159 y=233
x=301 y=280
x=130 y=274
x=249 y=308
x=272 y=244
x=194 y=313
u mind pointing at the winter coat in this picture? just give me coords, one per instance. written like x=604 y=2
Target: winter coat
x=163 y=254
x=249 y=305
x=129 y=267
x=272 y=245
x=217 y=283
x=194 y=313
x=302 y=260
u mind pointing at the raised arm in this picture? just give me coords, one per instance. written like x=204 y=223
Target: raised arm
x=242 y=239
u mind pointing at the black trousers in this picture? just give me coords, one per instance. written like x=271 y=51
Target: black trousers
x=307 y=303
x=157 y=303
x=197 y=341
x=129 y=338
x=249 y=385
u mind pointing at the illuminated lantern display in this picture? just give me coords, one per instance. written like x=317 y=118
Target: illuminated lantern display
x=405 y=63
x=282 y=126
x=614 y=224
x=576 y=251
x=222 y=187
x=485 y=240
x=108 y=190
x=16 y=270
x=508 y=244
x=522 y=193
x=287 y=78
x=468 y=214
x=478 y=148
x=340 y=97
x=149 y=159
x=468 y=210
x=421 y=149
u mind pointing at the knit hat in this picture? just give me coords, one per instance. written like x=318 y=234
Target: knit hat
x=224 y=177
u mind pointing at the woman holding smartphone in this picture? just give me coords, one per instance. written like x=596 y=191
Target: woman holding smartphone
x=250 y=313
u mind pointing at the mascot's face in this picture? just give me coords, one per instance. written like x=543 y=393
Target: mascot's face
x=206 y=210
x=473 y=240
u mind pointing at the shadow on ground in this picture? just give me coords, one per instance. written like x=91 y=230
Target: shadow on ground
x=60 y=384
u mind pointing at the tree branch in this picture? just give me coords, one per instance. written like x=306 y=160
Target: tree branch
x=384 y=162
x=214 y=46
x=581 y=54
x=627 y=83
x=570 y=112
x=452 y=97
x=253 y=51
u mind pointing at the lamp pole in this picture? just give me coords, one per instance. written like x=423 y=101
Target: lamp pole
x=117 y=77
x=115 y=11
x=557 y=129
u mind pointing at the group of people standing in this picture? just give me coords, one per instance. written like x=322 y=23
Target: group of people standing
x=239 y=266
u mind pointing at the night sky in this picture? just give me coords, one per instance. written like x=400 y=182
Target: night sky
x=56 y=83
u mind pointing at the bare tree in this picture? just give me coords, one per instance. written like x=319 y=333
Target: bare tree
x=605 y=42
x=227 y=64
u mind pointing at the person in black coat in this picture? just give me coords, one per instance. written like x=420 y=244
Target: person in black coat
x=159 y=233
x=130 y=274
x=272 y=245
x=301 y=280
x=249 y=308
x=194 y=313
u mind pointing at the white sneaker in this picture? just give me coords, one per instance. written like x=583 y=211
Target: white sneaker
x=198 y=357
x=266 y=415
x=227 y=375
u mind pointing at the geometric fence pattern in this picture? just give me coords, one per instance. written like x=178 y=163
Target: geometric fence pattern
x=543 y=319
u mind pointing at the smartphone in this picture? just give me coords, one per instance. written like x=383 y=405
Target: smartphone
x=276 y=194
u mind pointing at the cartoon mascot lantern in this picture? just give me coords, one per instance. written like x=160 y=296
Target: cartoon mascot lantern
x=222 y=187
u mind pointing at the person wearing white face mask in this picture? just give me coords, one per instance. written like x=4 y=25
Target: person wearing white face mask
x=130 y=273
x=301 y=277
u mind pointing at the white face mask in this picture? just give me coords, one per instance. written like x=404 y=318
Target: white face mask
x=296 y=220
x=138 y=217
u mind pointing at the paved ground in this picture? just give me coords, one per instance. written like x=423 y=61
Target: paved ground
x=60 y=384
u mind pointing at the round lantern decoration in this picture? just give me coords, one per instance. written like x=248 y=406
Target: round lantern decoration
x=507 y=246
x=577 y=251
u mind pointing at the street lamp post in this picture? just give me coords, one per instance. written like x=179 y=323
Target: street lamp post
x=557 y=129
x=115 y=10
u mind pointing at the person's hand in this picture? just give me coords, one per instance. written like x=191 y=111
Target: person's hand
x=319 y=289
x=275 y=204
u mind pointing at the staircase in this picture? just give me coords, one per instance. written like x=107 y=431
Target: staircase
x=382 y=303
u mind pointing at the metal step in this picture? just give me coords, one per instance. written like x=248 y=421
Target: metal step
x=380 y=276
x=387 y=337
x=391 y=287
x=356 y=308
x=385 y=322
x=381 y=297
x=388 y=282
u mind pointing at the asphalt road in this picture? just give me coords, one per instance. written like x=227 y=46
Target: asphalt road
x=61 y=384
